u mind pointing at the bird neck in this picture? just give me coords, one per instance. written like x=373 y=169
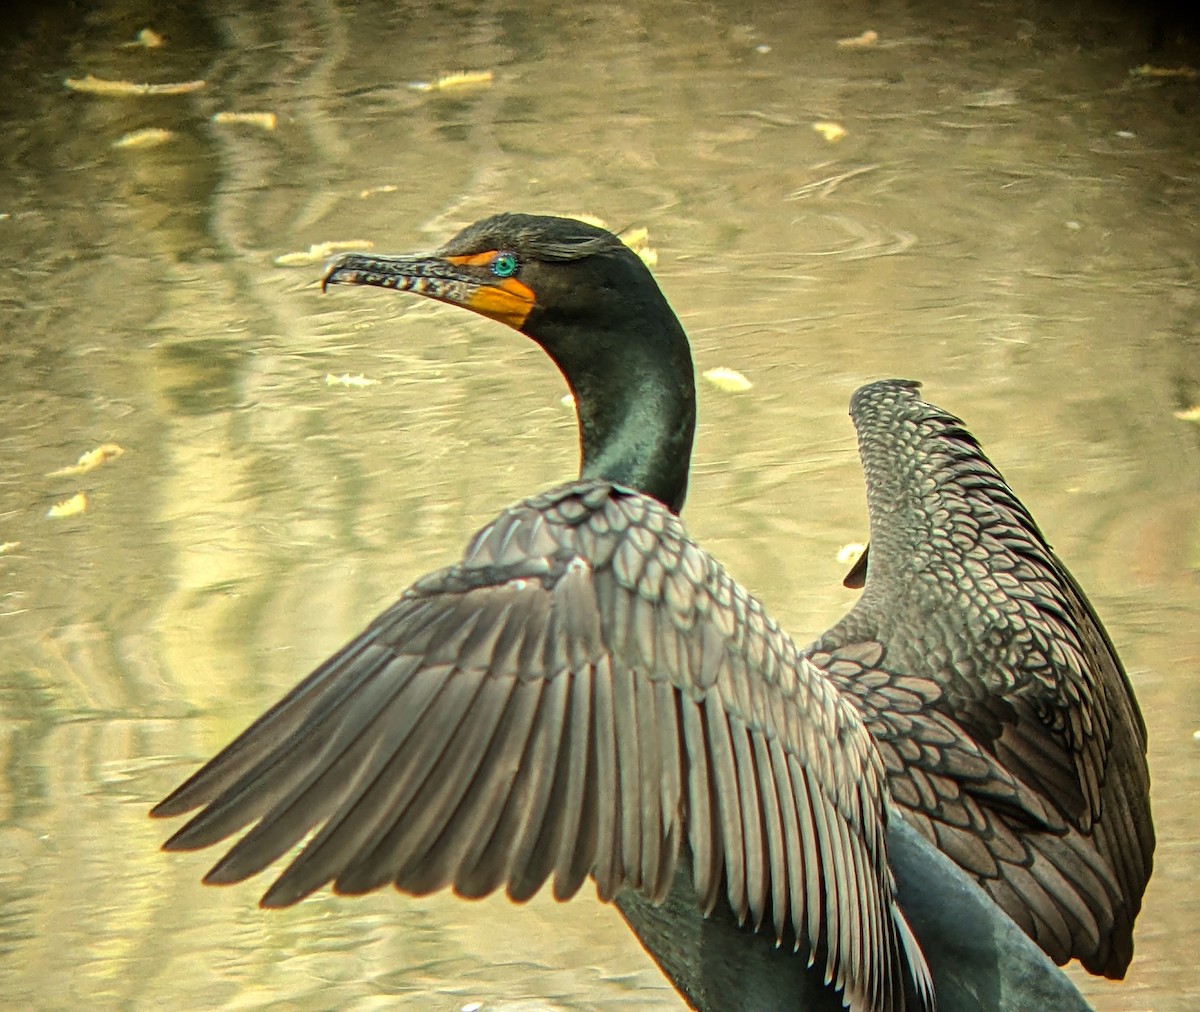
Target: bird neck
x=643 y=439
x=635 y=397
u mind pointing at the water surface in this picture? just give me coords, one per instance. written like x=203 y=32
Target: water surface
x=1011 y=217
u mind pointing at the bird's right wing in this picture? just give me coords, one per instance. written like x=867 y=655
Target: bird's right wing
x=584 y=692
x=1005 y=720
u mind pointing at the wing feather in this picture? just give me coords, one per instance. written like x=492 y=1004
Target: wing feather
x=1008 y=728
x=708 y=854
x=342 y=746
x=409 y=745
x=577 y=835
x=468 y=762
x=586 y=694
x=608 y=797
x=630 y=756
x=755 y=838
x=827 y=844
x=653 y=827
x=538 y=776
x=777 y=870
x=729 y=812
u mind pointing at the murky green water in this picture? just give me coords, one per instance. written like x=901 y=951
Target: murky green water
x=1012 y=217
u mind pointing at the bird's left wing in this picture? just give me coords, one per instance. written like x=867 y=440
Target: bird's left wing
x=584 y=694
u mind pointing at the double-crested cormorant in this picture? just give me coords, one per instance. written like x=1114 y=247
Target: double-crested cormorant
x=587 y=693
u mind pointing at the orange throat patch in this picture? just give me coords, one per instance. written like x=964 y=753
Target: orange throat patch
x=504 y=299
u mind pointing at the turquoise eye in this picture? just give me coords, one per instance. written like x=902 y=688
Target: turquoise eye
x=505 y=265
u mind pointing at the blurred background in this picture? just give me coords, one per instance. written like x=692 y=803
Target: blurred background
x=999 y=199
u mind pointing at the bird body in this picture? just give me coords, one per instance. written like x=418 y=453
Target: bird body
x=977 y=955
x=588 y=693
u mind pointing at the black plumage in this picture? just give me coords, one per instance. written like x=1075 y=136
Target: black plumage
x=1007 y=725
x=582 y=692
x=588 y=693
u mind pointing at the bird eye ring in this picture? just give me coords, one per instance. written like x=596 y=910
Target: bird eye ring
x=505 y=265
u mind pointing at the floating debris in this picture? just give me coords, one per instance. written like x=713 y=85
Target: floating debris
x=125 y=89
x=8 y=546
x=636 y=237
x=729 y=380
x=346 y=380
x=1147 y=70
x=1191 y=414
x=149 y=38
x=567 y=401
x=868 y=38
x=462 y=79
x=263 y=120
x=90 y=460
x=320 y=252
x=849 y=554
x=151 y=137
x=370 y=191
x=638 y=240
x=992 y=98
x=68 y=507
x=832 y=132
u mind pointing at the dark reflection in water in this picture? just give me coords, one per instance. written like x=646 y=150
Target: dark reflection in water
x=1012 y=217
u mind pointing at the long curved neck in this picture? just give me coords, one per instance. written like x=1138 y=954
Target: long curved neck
x=635 y=396
x=640 y=434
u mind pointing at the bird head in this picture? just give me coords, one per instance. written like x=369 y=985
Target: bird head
x=538 y=274
x=596 y=310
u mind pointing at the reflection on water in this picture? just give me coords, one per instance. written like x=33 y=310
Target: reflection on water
x=1011 y=217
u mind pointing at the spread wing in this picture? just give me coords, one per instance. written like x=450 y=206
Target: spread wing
x=583 y=693
x=1007 y=725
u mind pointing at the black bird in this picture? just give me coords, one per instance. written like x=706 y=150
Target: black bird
x=588 y=693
